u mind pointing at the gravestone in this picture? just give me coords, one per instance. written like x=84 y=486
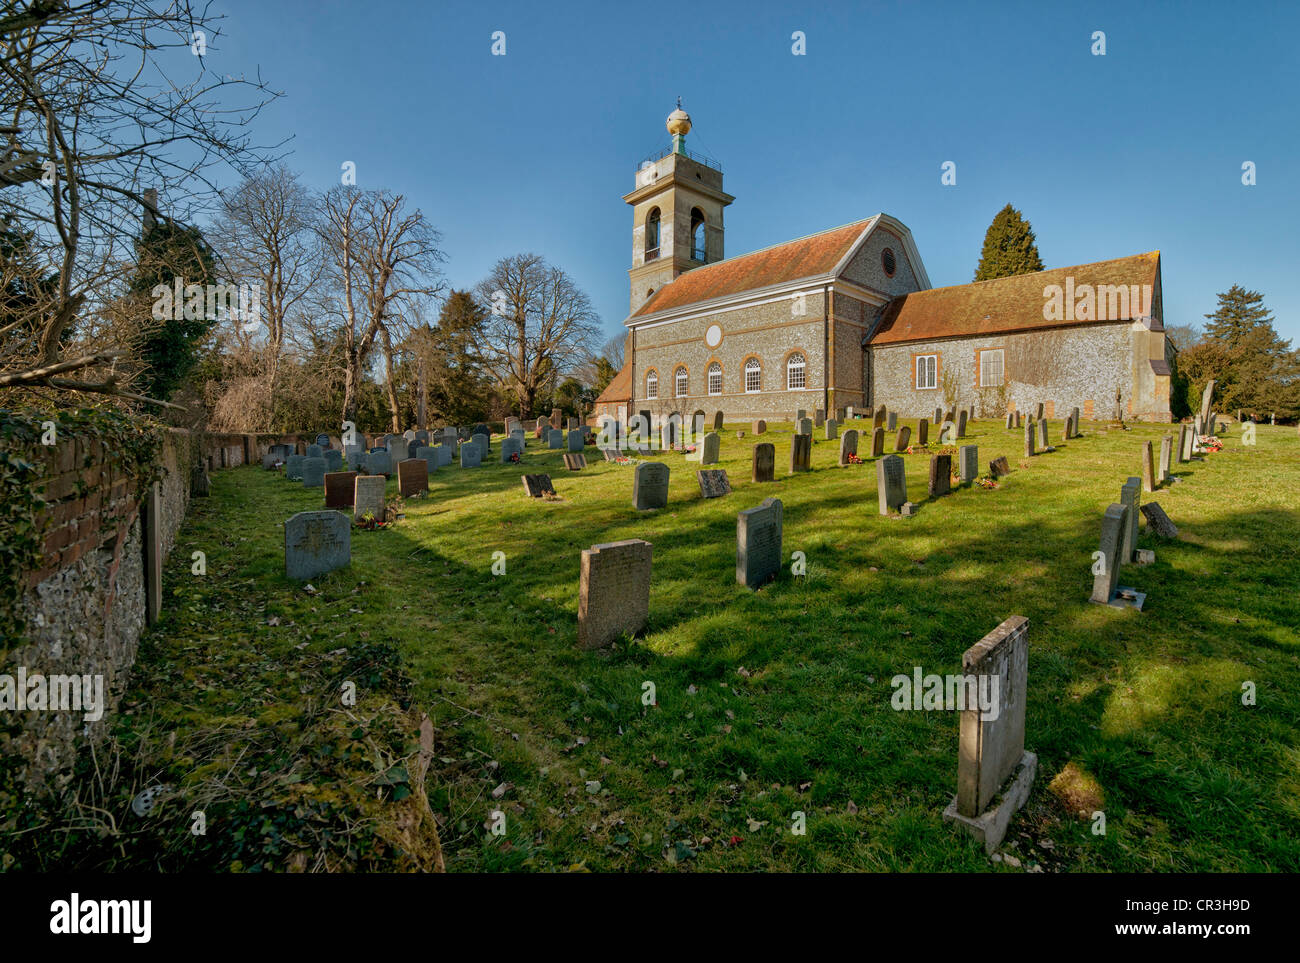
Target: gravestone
x=480 y=429
x=573 y=423
x=511 y=424
x=542 y=427
x=940 y=475
x=923 y=432
x=471 y=455
x=575 y=461
x=1207 y=397
x=1184 y=444
x=1029 y=439
x=271 y=460
x=804 y=426
x=352 y=453
x=759 y=427
x=709 y=450
x=511 y=446
x=200 y=483
x=1158 y=521
x=412 y=477
x=339 y=489
x=800 y=414
x=877 y=441
x=999 y=467
x=430 y=456
x=848 y=445
x=1212 y=424
x=713 y=482
x=519 y=436
x=819 y=417
x=537 y=485
x=994 y=772
x=313 y=472
x=316 y=543
x=446 y=454
x=613 y=591
x=483 y=443
x=555 y=439
x=717 y=421
x=1017 y=419
x=832 y=429
x=379 y=463
x=556 y=416
x=323 y=440
x=1166 y=457
x=1011 y=419
x=650 y=486
x=961 y=423
x=904 y=438
x=611 y=454
x=399 y=450
x=1148 y=467
x=948 y=432
x=368 y=497
x=891 y=421
x=878 y=419
x=968 y=463
x=1074 y=423
x=421 y=436
x=1106 y=567
x=577 y=439
x=333 y=459
x=315 y=451
x=800 y=453
x=1038 y=412
x=1199 y=427
x=764 y=462
x=1130 y=495
x=938 y=416
x=1042 y=434
x=891 y=484
x=758 y=544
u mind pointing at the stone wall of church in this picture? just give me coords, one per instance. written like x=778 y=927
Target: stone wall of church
x=1083 y=366
x=771 y=332
x=867 y=269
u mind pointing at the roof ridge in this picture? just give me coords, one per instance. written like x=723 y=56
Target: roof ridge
x=971 y=284
x=771 y=247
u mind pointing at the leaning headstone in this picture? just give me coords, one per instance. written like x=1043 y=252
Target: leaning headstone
x=379 y=463
x=313 y=472
x=709 y=449
x=1166 y=457
x=316 y=543
x=1029 y=439
x=577 y=439
x=878 y=419
x=940 y=475
x=961 y=423
x=1212 y=424
x=994 y=772
x=717 y=421
x=1105 y=581
x=968 y=463
x=340 y=489
x=1207 y=397
x=1011 y=421
x=758 y=544
x=1042 y=434
x=537 y=485
x=1148 y=467
x=938 y=416
x=1074 y=423
x=891 y=484
x=613 y=592
x=804 y=426
x=1130 y=495
x=1038 y=412
x=1184 y=444
x=555 y=439
x=759 y=427
x=368 y=497
x=891 y=421
x=800 y=453
x=511 y=446
x=471 y=455
x=1158 y=521
x=713 y=482
x=575 y=461
x=832 y=429
x=848 y=445
x=650 y=486
x=923 y=432
x=1017 y=419
x=764 y=462
x=999 y=467
x=904 y=438
x=412 y=477
x=877 y=441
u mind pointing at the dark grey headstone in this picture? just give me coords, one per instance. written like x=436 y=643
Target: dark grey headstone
x=471 y=455
x=713 y=482
x=650 y=485
x=293 y=467
x=800 y=452
x=313 y=472
x=316 y=543
x=940 y=475
x=848 y=445
x=758 y=544
x=577 y=439
x=555 y=439
x=968 y=463
x=537 y=485
x=891 y=483
x=764 y=469
x=511 y=446
x=1158 y=521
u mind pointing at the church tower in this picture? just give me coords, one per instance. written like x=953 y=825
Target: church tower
x=676 y=213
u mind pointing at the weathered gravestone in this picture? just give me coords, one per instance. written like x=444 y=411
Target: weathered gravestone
x=758 y=544
x=1158 y=521
x=446 y=454
x=1011 y=421
x=832 y=429
x=511 y=446
x=315 y=451
x=1017 y=419
x=323 y=440
x=313 y=472
x=891 y=484
x=316 y=543
x=1042 y=434
x=483 y=442
x=709 y=449
x=940 y=475
x=1166 y=457
x=904 y=438
x=938 y=416
x=961 y=423
x=717 y=421
x=333 y=459
x=1038 y=412
x=573 y=423
x=800 y=414
x=412 y=477
x=994 y=772
x=399 y=450
x=848 y=445
x=1106 y=563
x=800 y=453
x=650 y=486
x=379 y=463
x=429 y=455
x=353 y=454
x=200 y=483
x=271 y=460
x=421 y=436
x=1130 y=495
x=613 y=592
x=293 y=467
x=1185 y=440
x=999 y=467
x=877 y=441
x=878 y=419
x=575 y=461
x=891 y=421
x=923 y=432
x=1148 y=467
x=577 y=439
x=543 y=426
x=1074 y=423
x=1029 y=439
x=713 y=482
x=759 y=427
x=556 y=417
x=764 y=462
x=968 y=463
x=537 y=485
x=804 y=426
x=339 y=489
x=1207 y=397
x=555 y=439
x=819 y=417
x=471 y=455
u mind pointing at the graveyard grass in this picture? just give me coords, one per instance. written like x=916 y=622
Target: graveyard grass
x=768 y=702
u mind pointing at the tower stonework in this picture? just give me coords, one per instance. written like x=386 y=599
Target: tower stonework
x=677 y=207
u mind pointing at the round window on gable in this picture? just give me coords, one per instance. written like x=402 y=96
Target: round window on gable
x=887 y=261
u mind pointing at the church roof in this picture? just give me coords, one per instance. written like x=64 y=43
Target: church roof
x=619 y=388
x=809 y=256
x=1005 y=304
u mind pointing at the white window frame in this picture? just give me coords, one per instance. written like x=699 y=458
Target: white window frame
x=715 y=371
x=651 y=391
x=1002 y=367
x=791 y=367
x=755 y=367
x=680 y=375
x=931 y=369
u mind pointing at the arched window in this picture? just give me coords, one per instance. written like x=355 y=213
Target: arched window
x=683 y=382
x=794 y=372
x=652 y=235
x=652 y=384
x=697 y=234
x=715 y=379
x=753 y=375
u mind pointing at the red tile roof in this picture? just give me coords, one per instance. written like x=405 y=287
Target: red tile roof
x=619 y=389
x=805 y=257
x=1003 y=304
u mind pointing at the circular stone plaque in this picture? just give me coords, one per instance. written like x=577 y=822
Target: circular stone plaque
x=713 y=336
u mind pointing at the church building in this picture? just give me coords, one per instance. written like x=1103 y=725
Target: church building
x=847 y=318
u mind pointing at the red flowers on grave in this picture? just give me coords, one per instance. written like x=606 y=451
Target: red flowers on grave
x=855 y=460
x=514 y=457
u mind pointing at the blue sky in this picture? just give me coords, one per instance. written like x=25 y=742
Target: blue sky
x=1137 y=150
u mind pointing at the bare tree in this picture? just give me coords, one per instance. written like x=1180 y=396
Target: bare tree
x=540 y=325
x=613 y=351
x=380 y=259
x=95 y=112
